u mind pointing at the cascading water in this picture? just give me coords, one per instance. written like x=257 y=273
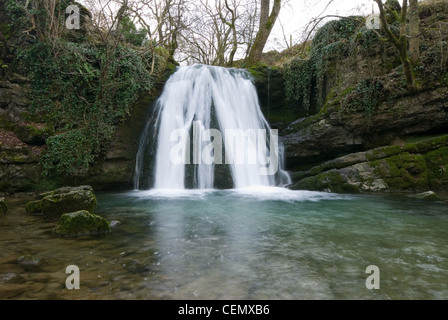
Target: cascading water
x=208 y=116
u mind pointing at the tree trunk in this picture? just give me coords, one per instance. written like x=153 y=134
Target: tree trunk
x=414 y=30
x=267 y=22
x=401 y=43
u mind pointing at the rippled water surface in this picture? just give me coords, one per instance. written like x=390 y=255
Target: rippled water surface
x=247 y=244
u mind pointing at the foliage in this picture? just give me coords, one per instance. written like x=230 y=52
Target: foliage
x=130 y=32
x=304 y=78
x=83 y=91
x=15 y=10
x=433 y=66
x=366 y=96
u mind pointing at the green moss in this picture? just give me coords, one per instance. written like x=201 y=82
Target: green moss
x=437 y=162
x=5 y=30
x=300 y=175
x=329 y=181
x=43 y=185
x=34 y=207
x=384 y=152
x=81 y=223
x=65 y=200
x=428 y=145
x=403 y=172
x=428 y=196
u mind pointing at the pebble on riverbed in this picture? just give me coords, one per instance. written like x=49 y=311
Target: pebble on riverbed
x=30 y=263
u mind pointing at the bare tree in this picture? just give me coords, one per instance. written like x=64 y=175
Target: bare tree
x=45 y=17
x=401 y=41
x=405 y=39
x=267 y=22
x=218 y=32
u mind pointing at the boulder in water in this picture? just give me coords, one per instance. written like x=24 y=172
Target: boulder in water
x=428 y=196
x=64 y=200
x=81 y=223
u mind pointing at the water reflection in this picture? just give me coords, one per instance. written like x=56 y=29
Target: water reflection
x=236 y=245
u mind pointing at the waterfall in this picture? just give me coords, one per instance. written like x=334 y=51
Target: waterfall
x=208 y=116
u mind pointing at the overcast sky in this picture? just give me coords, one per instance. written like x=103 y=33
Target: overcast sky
x=296 y=14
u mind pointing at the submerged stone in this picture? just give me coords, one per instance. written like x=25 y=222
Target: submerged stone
x=114 y=224
x=34 y=207
x=30 y=263
x=428 y=196
x=81 y=223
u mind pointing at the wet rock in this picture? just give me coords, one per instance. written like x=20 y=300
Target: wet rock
x=81 y=223
x=414 y=167
x=328 y=136
x=30 y=263
x=63 y=200
x=114 y=224
x=9 y=277
x=34 y=207
x=428 y=196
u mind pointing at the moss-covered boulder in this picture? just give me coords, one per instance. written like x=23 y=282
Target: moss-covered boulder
x=81 y=223
x=3 y=206
x=63 y=200
x=331 y=181
x=34 y=207
x=413 y=167
x=67 y=200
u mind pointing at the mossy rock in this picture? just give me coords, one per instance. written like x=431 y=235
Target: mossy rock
x=64 y=190
x=81 y=223
x=3 y=206
x=428 y=196
x=34 y=135
x=65 y=200
x=331 y=181
x=34 y=207
x=437 y=162
x=403 y=172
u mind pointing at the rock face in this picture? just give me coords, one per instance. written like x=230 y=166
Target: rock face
x=19 y=161
x=115 y=171
x=414 y=167
x=22 y=142
x=331 y=135
x=64 y=200
x=81 y=223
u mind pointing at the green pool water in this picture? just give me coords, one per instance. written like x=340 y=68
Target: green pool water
x=249 y=244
